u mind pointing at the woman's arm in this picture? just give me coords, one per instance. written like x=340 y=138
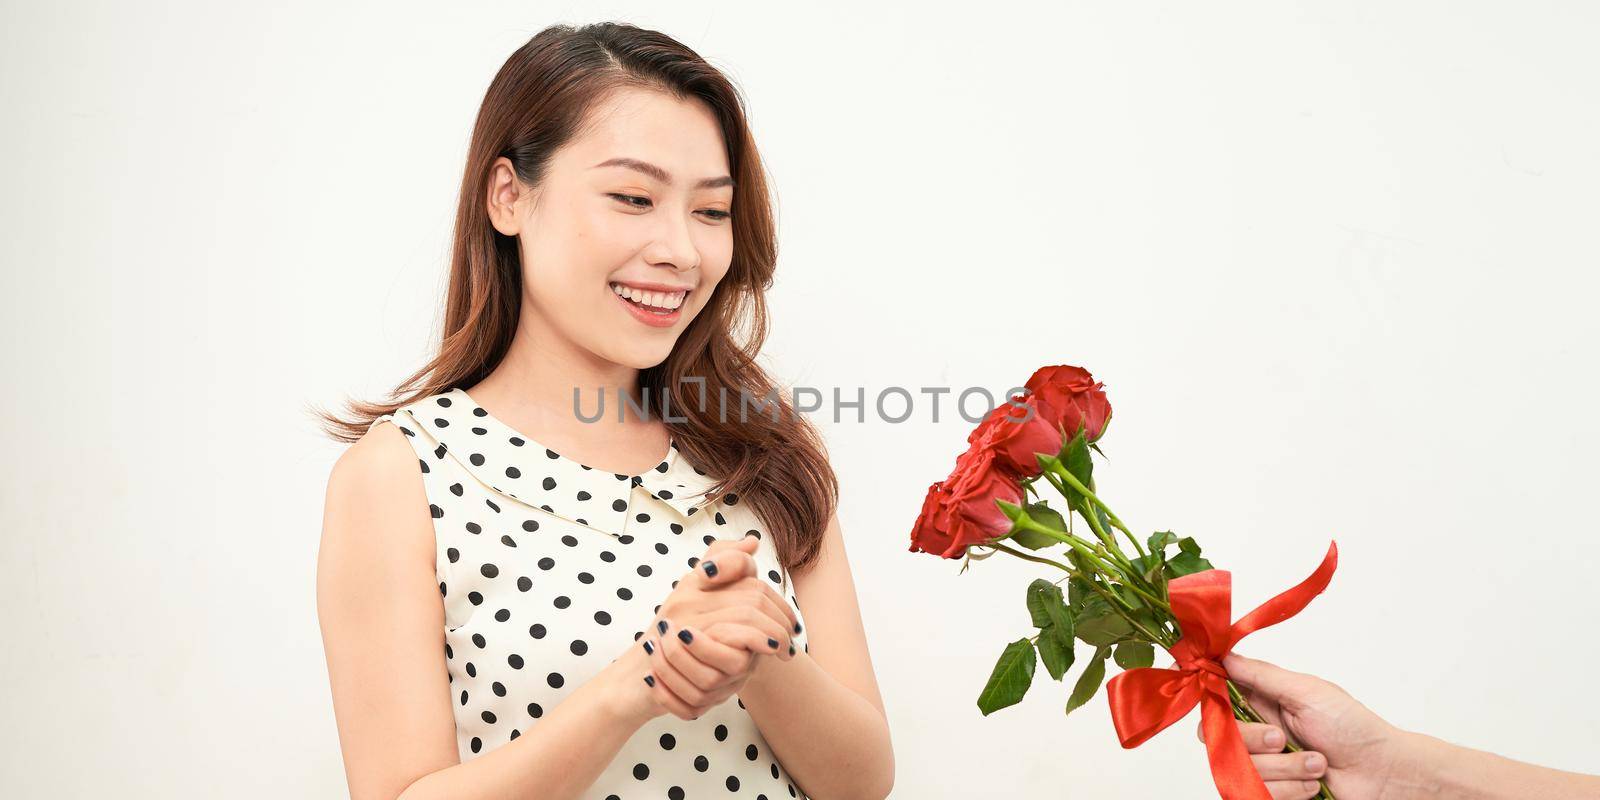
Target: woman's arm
x=821 y=711
x=382 y=628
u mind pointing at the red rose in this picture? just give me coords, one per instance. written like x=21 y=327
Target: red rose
x=1070 y=396
x=960 y=511
x=1014 y=441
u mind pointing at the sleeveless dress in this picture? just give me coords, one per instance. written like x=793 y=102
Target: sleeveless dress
x=549 y=569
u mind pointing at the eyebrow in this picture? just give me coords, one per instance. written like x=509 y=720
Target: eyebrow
x=661 y=174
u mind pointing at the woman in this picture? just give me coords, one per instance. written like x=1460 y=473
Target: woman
x=517 y=602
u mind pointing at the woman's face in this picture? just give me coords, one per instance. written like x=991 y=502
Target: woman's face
x=629 y=233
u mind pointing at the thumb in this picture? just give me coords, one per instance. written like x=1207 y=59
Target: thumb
x=728 y=562
x=1269 y=680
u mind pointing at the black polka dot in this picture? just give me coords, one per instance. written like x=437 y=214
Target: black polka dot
x=563 y=601
x=732 y=783
x=489 y=570
x=537 y=631
x=702 y=763
x=619 y=505
x=555 y=680
x=602 y=617
x=530 y=525
x=641 y=771
x=514 y=660
x=721 y=732
x=579 y=647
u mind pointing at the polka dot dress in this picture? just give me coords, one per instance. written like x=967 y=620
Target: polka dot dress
x=550 y=569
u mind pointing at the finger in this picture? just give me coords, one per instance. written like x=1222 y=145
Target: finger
x=1292 y=790
x=760 y=595
x=668 y=674
x=1258 y=737
x=776 y=602
x=1261 y=738
x=726 y=566
x=665 y=698
x=1264 y=679
x=1302 y=766
x=703 y=659
x=748 y=638
x=755 y=618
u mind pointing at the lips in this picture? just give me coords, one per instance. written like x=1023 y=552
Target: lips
x=639 y=304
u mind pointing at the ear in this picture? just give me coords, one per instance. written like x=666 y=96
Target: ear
x=503 y=193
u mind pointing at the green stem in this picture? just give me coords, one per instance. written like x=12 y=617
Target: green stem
x=1118 y=604
x=1072 y=480
x=1131 y=578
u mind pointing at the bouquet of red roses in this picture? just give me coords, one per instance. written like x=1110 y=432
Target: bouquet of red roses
x=1123 y=603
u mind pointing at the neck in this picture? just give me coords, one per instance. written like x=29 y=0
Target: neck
x=532 y=389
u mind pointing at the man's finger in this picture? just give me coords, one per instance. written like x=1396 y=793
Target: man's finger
x=1264 y=679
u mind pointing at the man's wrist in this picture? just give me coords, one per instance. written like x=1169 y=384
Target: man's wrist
x=1419 y=767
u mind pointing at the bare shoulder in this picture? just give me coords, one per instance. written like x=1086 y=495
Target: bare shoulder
x=375 y=492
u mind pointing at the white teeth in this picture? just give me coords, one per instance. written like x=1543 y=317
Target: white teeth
x=653 y=299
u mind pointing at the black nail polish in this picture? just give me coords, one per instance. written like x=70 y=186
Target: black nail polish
x=797 y=627
x=648 y=648
x=710 y=568
x=772 y=643
x=650 y=680
x=662 y=626
x=791 y=649
x=685 y=635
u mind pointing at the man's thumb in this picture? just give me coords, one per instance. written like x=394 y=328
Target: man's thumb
x=1263 y=678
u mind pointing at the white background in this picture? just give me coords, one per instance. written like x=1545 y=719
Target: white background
x=1335 y=263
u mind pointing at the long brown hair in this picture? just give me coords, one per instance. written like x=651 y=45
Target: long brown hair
x=776 y=462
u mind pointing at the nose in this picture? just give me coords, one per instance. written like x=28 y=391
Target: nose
x=674 y=245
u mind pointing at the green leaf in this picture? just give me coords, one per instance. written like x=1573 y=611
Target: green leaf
x=1078 y=590
x=1089 y=681
x=1041 y=594
x=1012 y=676
x=1188 y=545
x=1075 y=457
x=1042 y=513
x=1055 y=650
x=1161 y=539
x=1100 y=625
x=1132 y=655
x=1187 y=564
x=1033 y=540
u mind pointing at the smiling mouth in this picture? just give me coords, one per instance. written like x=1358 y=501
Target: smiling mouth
x=658 y=303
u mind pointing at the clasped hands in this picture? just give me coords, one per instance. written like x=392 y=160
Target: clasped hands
x=710 y=634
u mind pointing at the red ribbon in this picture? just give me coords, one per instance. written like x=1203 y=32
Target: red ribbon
x=1146 y=700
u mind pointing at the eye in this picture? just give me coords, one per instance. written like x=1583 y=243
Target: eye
x=628 y=198
x=717 y=214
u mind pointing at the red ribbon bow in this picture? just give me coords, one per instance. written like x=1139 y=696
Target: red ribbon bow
x=1145 y=701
